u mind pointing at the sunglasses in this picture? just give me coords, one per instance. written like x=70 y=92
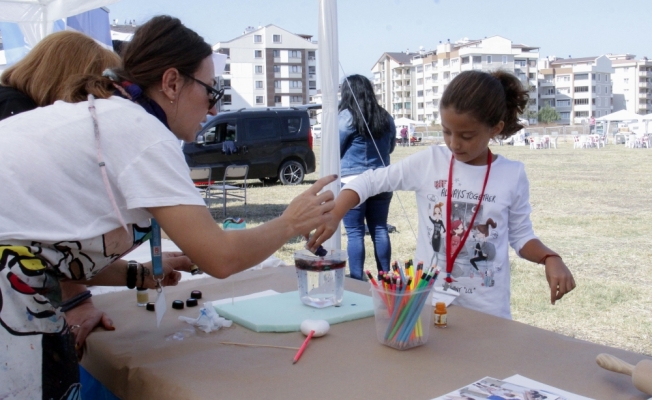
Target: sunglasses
x=214 y=95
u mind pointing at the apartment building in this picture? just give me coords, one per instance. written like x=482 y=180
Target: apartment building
x=268 y=67
x=632 y=83
x=577 y=88
x=410 y=85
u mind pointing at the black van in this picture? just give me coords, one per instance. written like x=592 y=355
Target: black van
x=276 y=143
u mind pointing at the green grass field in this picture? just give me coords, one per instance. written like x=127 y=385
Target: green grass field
x=593 y=206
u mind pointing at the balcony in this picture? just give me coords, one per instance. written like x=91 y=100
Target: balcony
x=645 y=84
x=644 y=73
x=546 y=82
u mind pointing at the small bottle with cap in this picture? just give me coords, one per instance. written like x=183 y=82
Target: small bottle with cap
x=142 y=297
x=440 y=315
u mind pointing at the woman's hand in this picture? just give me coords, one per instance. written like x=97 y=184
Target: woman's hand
x=310 y=209
x=173 y=262
x=82 y=320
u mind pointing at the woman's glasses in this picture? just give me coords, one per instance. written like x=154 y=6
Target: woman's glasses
x=214 y=95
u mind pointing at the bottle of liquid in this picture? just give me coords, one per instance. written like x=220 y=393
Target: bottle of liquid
x=440 y=315
x=142 y=297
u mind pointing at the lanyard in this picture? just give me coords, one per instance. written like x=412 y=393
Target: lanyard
x=450 y=256
x=155 y=246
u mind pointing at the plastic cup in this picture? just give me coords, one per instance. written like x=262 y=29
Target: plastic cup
x=402 y=319
x=320 y=279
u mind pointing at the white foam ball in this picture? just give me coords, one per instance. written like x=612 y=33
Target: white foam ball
x=320 y=327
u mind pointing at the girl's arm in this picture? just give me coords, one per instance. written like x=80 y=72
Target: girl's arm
x=558 y=275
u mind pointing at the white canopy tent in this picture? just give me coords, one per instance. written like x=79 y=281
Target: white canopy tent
x=408 y=122
x=618 y=116
x=36 y=17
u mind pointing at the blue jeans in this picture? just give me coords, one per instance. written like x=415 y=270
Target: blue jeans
x=375 y=211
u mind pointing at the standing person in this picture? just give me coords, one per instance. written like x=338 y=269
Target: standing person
x=367 y=137
x=592 y=124
x=475 y=185
x=404 y=136
x=38 y=80
x=86 y=177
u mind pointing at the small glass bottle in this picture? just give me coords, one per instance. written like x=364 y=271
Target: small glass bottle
x=142 y=296
x=440 y=315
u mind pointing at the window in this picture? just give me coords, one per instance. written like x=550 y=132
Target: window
x=259 y=69
x=549 y=91
x=563 y=78
x=563 y=103
x=488 y=59
x=221 y=132
x=592 y=76
x=312 y=85
x=435 y=76
x=454 y=61
x=311 y=55
x=531 y=75
x=258 y=38
x=277 y=99
x=296 y=99
x=295 y=54
x=598 y=91
x=626 y=80
x=579 y=102
x=259 y=100
x=477 y=59
x=276 y=38
x=465 y=60
x=598 y=102
x=420 y=81
x=532 y=63
x=446 y=62
x=264 y=128
x=580 y=114
x=419 y=105
x=419 y=93
x=312 y=70
x=258 y=53
x=564 y=115
x=563 y=90
x=419 y=68
x=277 y=84
x=581 y=89
x=295 y=69
x=226 y=100
x=519 y=63
x=225 y=51
x=581 y=77
x=276 y=53
x=277 y=68
x=598 y=76
x=292 y=126
x=504 y=59
x=259 y=84
x=295 y=84
x=227 y=68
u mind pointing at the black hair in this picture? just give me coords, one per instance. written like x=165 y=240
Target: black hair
x=357 y=87
x=489 y=97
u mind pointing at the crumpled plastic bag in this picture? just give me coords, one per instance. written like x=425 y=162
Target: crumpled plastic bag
x=209 y=320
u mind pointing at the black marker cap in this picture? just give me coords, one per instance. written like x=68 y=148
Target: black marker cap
x=150 y=307
x=191 y=302
x=195 y=294
x=177 y=305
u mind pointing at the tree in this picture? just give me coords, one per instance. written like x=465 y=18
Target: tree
x=548 y=114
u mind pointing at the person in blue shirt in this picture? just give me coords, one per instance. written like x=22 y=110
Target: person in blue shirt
x=367 y=137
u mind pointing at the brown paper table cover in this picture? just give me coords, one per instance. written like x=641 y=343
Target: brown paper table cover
x=137 y=362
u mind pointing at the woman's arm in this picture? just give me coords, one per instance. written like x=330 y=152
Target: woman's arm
x=116 y=273
x=222 y=253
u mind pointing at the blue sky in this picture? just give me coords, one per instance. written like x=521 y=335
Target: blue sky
x=368 y=28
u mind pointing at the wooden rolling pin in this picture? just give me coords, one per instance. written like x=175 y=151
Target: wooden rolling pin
x=641 y=373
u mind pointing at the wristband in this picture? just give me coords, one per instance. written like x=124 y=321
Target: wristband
x=543 y=260
x=132 y=273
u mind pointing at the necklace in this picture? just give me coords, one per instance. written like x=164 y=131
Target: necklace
x=450 y=255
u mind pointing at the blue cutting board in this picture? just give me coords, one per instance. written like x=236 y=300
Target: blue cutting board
x=284 y=312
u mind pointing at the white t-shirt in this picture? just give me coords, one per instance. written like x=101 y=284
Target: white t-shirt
x=506 y=202
x=53 y=190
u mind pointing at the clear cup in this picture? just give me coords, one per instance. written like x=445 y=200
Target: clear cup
x=402 y=319
x=320 y=279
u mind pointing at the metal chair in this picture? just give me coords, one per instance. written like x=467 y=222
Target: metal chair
x=230 y=188
x=202 y=179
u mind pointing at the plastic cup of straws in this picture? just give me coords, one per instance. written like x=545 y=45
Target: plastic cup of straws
x=403 y=317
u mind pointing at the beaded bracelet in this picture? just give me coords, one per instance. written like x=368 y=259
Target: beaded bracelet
x=132 y=273
x=543 y=260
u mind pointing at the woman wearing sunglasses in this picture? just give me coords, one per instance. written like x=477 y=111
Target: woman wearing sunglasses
x=85 y=178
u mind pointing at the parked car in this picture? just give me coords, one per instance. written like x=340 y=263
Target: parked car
x=316 y=131
x=276 y=143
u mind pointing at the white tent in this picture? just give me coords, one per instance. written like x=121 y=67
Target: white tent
x=36 y=17
x=408 y=122
x=622 y=115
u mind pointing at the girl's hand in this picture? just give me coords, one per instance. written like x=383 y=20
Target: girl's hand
x=323 y=233
x=559 y=278
x=173 y=262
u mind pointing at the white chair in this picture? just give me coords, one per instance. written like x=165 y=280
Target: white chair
x=202 y=179
x=230 y=188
